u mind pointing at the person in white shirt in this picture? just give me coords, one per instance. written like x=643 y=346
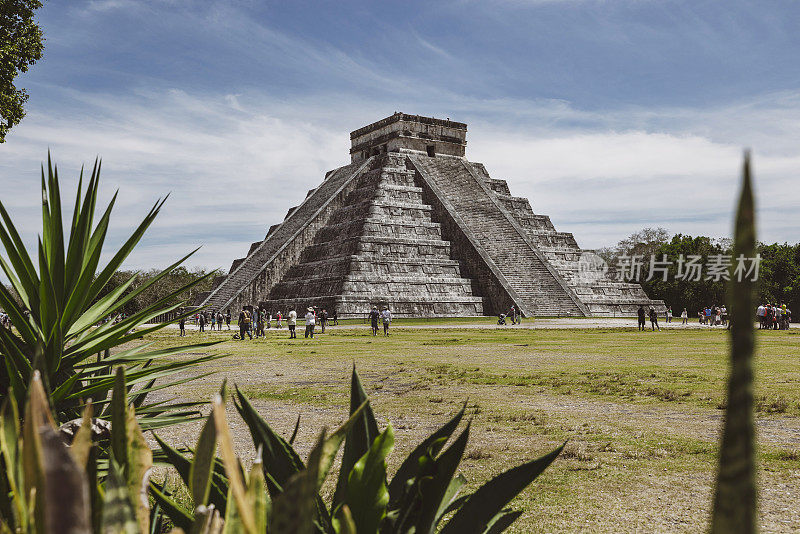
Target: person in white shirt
x=310 y=322
x=761 y=312
x=684 y=316
x=292 y=322
x=386 y=315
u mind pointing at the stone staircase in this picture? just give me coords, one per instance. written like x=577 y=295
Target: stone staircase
x=280 y=248
x=381 y=247
x=538 y=287
x=601 y=296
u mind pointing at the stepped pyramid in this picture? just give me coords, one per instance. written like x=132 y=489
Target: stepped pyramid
x=412 y=225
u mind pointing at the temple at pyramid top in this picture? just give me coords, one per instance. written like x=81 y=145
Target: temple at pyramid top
x=401 y=132
x=412 y=225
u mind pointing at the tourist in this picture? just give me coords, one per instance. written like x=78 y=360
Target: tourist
x=292 y=322
x=761 y=312
x=669 y=315
x=213 y=320
x=386 y=315
x=228 y=319
x=220 y=320
x=262 y=316
x=202 y=321
x=182 y=326
x=244 y=324
x=654 y=320
x=684 y=316
x=708 y=316
x=724 y=314
x=642 y=317
x=310 y=322
x=335 y=318
x=374 y=315
x=269 y=320
x=278 y=319
x=323 y=318
x=513 y=314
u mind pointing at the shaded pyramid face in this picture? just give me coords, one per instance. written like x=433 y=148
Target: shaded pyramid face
x=423 y=233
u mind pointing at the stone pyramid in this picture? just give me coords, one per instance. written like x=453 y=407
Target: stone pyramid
x=412 y=225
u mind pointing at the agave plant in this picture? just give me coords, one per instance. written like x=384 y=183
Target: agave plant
x=735 y=494
x=62 y=324
x=51 y=487
x=422 y=497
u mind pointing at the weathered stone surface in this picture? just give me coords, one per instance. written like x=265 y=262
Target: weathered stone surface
x=411 y=224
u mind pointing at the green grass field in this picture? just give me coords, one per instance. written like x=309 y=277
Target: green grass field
x=640 y=411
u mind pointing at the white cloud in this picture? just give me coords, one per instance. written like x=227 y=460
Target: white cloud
x=236 y=163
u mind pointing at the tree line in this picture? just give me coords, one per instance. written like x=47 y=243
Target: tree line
x=778 y=271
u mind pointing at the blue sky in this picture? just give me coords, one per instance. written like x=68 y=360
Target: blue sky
x=609 y=115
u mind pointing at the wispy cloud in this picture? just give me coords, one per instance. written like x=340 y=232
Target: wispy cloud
x=609 y=116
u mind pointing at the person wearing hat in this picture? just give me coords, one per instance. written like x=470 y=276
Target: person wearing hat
x=386 y=315
x=310 y=322
x=374 y=315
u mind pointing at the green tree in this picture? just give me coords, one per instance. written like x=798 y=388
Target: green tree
x=20 y=47
x=685 y=291
x=779 y=274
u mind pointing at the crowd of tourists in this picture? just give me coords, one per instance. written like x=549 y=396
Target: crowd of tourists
x=253 y=321
x=768 y=316
x=714 y=316
x=773 y=317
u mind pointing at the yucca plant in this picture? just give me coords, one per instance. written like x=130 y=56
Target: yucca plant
x=63 y=328
x=422 y=497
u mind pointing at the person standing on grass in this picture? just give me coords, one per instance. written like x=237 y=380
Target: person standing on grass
x=202 y=322
x=228 y=319
x=335 y=318
x=669 y=314
x=244 y=324
x=323 y=318
x=386 y=315
x=182 y=326
x=684 y=316
x=654 y=320
x=374 y=315
x=641 y=315
x=513 y=314
x=278 y=319
x=310 y=323
x=760 y=312
x=292 y=322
